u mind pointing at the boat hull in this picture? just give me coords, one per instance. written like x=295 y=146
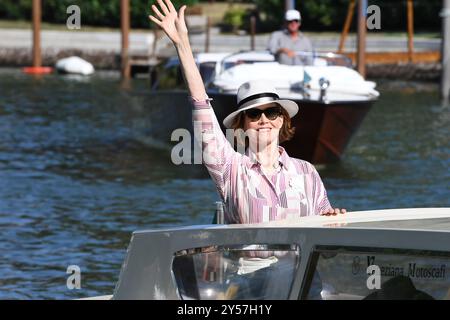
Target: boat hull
x=323 y=130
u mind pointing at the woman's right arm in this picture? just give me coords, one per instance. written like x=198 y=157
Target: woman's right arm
x=174 y=25
x=216 y=151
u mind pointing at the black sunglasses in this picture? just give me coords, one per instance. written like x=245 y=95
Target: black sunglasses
x=290 y=21
x=271 y=113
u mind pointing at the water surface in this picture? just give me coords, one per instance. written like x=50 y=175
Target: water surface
x=78 y=174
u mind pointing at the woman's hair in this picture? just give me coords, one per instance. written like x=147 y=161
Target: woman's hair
x=286 y=131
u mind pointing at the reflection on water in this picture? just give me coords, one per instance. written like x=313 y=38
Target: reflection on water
x=78 y=175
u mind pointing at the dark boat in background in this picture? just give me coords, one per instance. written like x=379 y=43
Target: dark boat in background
x=333 y=98
x=323 y=129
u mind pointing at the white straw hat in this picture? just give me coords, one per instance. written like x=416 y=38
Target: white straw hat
x=257 y=93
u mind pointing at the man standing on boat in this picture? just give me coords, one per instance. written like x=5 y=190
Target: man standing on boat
x=285 y=44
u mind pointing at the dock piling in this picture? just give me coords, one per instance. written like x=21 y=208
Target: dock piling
x=361 y=55
x=289 y=4
x=208 y=34
x=346 y=28
x=37 y=13
x=252 y=32
x=410 y=30
x=125 y=31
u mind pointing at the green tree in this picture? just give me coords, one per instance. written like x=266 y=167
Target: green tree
x=320 y=15
x=93 y=12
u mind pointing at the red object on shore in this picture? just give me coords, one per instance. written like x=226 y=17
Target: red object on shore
x=37 y=70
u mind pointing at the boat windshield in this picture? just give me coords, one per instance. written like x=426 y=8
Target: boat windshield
x=325 y=58
x=377 y=274
x=308 y=58
x=257 y=272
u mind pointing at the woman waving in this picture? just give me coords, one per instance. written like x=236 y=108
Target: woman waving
x=264 y=183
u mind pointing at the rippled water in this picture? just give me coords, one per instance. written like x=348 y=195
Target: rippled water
x=77 y=175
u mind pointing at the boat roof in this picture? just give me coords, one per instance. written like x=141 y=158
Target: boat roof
x=419 y=233
x=429 y=219
x=432 y=219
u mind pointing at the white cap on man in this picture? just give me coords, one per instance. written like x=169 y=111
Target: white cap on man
x=292 y=15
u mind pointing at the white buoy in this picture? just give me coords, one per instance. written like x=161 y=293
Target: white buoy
x=74 y=65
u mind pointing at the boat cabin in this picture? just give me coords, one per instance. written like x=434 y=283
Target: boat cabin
x=383 y=254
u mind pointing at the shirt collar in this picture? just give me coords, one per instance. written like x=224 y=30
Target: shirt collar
x=283 y=159
x=286 y=32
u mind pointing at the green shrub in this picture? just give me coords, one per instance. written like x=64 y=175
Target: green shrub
x=93 y=12
x=234 y=17
x=316 y=14
x=320 y=15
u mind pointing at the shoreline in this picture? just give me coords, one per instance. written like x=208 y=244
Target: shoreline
x=110 y=60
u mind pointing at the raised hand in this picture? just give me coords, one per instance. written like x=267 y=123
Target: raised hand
x=171 y=21
x=174 y=25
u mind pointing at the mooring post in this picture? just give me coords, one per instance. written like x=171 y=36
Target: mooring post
x=208 y=34
x=289 y=4
x=37 y=57
x=252 y=32
x=125 y=31
x=445 y=77
x=361 y=55
x=410 y=31
x=346 y=28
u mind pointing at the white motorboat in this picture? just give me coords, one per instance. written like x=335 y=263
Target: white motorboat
x=381 y=254
x=333 y=98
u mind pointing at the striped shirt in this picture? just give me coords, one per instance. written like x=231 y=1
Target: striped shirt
x=249 y=195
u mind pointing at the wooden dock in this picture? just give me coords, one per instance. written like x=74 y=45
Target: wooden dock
x=398 y=57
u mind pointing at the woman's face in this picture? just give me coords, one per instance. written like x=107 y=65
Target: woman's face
x=263 y=129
